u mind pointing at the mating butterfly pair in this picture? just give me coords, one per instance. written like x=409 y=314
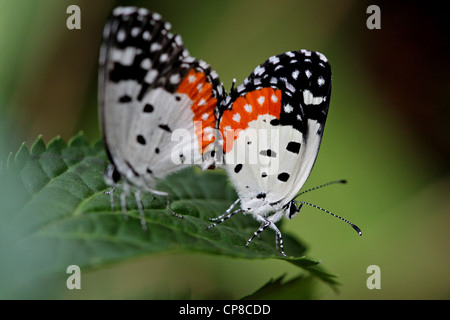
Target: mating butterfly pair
x=265 y=133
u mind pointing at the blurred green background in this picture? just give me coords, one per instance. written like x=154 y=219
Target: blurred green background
x=387 y=132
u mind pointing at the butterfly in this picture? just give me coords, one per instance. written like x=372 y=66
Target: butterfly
x=271 y=127
x=156 y=103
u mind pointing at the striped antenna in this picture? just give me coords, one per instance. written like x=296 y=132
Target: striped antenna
x=334 y=215
x=321 y=186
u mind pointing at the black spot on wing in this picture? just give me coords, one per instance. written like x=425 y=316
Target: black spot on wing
x=141 y=140
x=165 y=127
x=125 y=99
x=238 y=168
x=275 y=122
x=293 y=147
x=284 y=176
x=148 y=108
x=122 y=73
x=268 y=153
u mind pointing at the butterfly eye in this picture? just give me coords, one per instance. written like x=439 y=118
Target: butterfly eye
x=293 y=210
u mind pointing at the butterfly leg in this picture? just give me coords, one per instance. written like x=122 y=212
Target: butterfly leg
x=267 y=223
x=137 y=196
x=111 y=197
x=264 y=225
x=171 y=210
x=278 y=239
x=165 y=194
x=226 y=212
x=123 y=200
x=224 y=217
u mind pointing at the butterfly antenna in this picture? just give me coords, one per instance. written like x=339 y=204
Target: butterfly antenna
x=334 y=215
x=321 y=186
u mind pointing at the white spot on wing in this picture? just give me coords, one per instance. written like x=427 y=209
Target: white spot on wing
x=278 y=67
x=151 y=76
x=155 y=47
x=143 y=11
x=156 y=16
x=288 y=108
x=121 y=35
x=307 y=53
x=135 y=31
x=308 y=73
x=289 y=86
x=128 y=56
x=274 y=59
x=237 y=117
x=191 y=78
x=178 y=40
x=290 y=54
x=175 y=78
x=261 y=100
x=308 y=98
x=259 y=70
x=146 y=64
x=321 y=81
x=322 y=57
x=146 y=35
x=164 y=57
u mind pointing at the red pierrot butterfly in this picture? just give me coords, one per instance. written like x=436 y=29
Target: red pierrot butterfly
x=272 y=126
x=149 y=87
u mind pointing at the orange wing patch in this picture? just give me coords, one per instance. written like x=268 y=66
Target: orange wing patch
x=199 y=91
x=246 y=109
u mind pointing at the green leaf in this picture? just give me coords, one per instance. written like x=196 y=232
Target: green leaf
x=55 y=213
x=298 y=288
